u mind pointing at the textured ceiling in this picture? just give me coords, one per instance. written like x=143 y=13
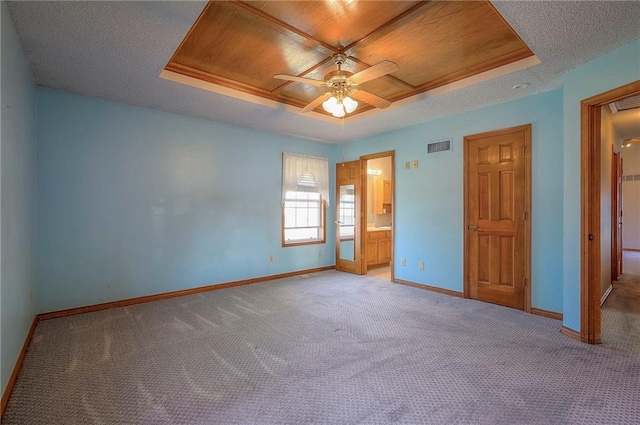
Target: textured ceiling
x=627 y=123
x=116 y=50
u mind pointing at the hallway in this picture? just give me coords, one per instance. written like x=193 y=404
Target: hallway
x=621 y=310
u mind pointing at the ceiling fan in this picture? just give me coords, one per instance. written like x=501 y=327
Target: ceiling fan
x=338 y=101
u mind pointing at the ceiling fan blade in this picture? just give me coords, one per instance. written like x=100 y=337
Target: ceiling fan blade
x=299 y=79
x=375 y=71
x=316 y=102
x=370 y=98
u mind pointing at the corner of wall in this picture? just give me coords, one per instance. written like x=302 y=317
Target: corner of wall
x=17 y=202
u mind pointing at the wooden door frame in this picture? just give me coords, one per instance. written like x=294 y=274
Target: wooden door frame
x=363 y=211
x=590 y=177
x=527 y=208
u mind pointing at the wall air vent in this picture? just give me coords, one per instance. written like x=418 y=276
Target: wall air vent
x=440 y=146
x=631 y=177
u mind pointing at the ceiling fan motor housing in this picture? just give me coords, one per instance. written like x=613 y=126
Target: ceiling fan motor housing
x=336 y=78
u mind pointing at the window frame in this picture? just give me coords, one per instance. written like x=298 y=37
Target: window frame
x=323 y=226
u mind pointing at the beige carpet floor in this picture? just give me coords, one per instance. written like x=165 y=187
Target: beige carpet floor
x=327 y=348
x=621 y=311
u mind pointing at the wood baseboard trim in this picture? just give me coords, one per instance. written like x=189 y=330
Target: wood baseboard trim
x=570 y=333
x=606 y=294
x=16 y=368
x=631 y=249
x=148 y=298
x=546 y=313
x=430 y=288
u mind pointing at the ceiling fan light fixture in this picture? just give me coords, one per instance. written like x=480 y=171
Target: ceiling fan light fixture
x=340 y=83
x=330 y=104
x=337 y=107
x=350 y=105
x=338 y=111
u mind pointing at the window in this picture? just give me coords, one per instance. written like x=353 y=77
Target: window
x=305 y=193
x=303 y=217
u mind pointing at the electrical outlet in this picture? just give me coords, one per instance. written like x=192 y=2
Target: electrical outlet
x=403 y=262
x=415 y=164
x=271 y=258
x=407 y=165
x=421 y=265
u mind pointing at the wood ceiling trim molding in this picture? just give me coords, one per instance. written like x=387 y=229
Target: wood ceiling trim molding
x=237 y=94
x=504 y=21
x=331 y=49
x=389 y=24
x=456 y=85
x=305 y=73
x=425 y=27
x=188 y=34
x=234 y=85
x=466 y=73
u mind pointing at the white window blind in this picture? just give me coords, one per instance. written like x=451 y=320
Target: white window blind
x=305 y=172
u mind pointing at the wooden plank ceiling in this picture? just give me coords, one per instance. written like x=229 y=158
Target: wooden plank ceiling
x=242 y=45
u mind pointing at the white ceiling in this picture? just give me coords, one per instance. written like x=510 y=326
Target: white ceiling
x=627 y=123
x=116 y=50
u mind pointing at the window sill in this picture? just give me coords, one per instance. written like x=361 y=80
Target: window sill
x=287 y=244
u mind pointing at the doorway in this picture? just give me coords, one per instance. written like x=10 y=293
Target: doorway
x=364 y=215
x=497 y=228
x=378 y=213
x=591 y=227
x=620 y=312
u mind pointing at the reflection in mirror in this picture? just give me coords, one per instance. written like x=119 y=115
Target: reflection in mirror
x=346 y=222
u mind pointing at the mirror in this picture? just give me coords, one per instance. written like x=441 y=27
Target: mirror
x=346 y=222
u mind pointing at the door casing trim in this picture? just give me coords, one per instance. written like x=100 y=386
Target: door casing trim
x=590 y=177
x=363 y=211
x=527 y=207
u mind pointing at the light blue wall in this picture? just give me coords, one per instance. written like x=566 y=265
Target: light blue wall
x=17 y=204
x=429 y=212
x=607 y=72
x=134 y=201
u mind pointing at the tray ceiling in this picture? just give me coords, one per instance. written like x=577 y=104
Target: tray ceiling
x=116 y=50
x=237 y=47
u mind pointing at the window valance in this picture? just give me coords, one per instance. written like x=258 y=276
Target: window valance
x=305 y=172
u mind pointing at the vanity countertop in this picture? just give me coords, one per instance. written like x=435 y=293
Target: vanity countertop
x=378 y=229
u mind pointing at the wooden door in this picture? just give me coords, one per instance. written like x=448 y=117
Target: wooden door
x=348 y=217
x=616 y=215
x=497 y=226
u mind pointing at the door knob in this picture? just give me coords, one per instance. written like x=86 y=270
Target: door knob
x=474 y=228
x=338 y=222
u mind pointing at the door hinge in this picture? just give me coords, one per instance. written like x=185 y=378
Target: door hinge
x=524 y=150
x=524 y=282
x=524 y=216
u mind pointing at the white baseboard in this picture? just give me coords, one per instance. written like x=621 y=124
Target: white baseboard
x=606 y=294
